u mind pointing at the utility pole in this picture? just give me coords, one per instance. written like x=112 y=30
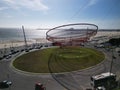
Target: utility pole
x=24 y=37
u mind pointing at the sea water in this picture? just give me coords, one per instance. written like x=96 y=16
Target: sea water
x=7 y=34
x=16 y=34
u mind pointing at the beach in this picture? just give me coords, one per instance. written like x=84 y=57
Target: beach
x=17 y=43
x=107 y=33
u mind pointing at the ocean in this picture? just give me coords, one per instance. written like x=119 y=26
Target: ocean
x=14 y=36
x=17 y=34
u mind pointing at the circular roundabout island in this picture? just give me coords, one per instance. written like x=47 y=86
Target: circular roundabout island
x=58 y=60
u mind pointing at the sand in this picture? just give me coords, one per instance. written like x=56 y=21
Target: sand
x=16 y=43
x=108 y=33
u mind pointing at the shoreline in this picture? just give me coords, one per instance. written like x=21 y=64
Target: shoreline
x=16 y=43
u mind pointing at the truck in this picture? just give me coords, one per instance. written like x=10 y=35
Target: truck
x=104 y=80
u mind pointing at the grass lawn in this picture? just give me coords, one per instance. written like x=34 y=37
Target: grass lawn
x=60 y=60
x=116 y=89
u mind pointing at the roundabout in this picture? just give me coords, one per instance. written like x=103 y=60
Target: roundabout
x=78 y=80
x=58 y=60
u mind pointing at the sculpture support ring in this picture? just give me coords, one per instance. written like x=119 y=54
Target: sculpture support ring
x=71 y=34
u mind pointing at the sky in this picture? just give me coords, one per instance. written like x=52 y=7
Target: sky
x=52 y=13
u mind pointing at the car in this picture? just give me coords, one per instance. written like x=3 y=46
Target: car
x=99 y=46
x=5 y=84
x=113 y=57
x=100 y=88
x=118 y=51
x=1 y=57
x=26 y=50
x=39 y=86
x=46 y=45
x=22 y=50
x=9 y=56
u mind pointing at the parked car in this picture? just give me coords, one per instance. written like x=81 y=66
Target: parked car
x=9 y=56
x=1 y=57
x=5 y=84
x=99 y=46
x=100 y=88
x=118 y=51
x=26 y=50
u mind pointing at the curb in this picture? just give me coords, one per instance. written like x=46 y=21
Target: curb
x=25 y=72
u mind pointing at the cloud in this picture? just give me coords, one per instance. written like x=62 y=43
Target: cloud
x=8 y=16
x=3 y=8
x=35 y=5
x=5 y=15
x=9 y=1
x=91 y=3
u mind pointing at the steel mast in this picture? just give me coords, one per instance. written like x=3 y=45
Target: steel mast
x=24 y=37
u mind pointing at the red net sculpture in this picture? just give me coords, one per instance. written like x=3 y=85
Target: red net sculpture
x=71 y=34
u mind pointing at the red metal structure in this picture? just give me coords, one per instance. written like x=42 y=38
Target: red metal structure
x=71 y=34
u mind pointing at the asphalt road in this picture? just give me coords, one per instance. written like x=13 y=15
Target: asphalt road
x=78 y=80
x=24 y=81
